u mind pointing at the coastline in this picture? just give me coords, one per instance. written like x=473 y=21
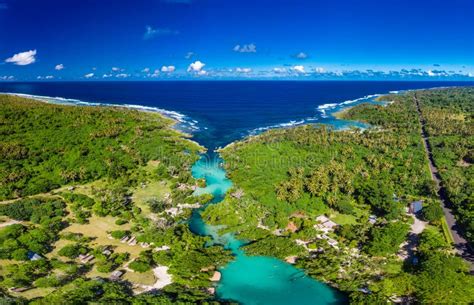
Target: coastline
x=188 y=126
x=174 y=117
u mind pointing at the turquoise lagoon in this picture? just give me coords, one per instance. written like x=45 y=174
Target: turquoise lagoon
x=252 y=280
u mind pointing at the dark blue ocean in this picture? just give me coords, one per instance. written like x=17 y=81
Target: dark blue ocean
x=218 y=112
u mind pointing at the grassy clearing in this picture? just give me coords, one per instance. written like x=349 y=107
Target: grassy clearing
x=344 y=219
x=86 y=189
x=155 y=189
x=33 y=293
x=98 y=228
x=145 y=278
x=446 y=231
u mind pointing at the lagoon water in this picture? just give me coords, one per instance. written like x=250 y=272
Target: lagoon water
x=254 y=280
x=217 y=113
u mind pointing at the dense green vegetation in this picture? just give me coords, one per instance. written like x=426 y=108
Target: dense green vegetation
x=312 y=168
x=290 y=176
x=450 y=125
x=91 y=192
x=45 y=146
x=95 y=190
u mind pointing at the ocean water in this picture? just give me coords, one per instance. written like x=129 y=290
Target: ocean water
x=217 y=113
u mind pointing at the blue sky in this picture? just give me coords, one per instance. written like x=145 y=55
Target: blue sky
x=226 y=39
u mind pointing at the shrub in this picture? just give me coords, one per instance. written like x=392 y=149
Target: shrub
x=72 y=251
x=20 y=254
x=433 y=212
x=48 y=281
x=139 y=266
x=119 y=234
x=120 y=222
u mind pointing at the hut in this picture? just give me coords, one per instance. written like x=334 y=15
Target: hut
x=116 y=275
x=416 y=207
x=33 y=256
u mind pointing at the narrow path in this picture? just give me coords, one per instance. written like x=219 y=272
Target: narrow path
x=460 y=243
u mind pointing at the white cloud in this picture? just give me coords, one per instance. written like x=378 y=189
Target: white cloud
x=116 y=69
x=196 y=66
x=146 y=70
x=243 y=70
x=189 y=55
x=155 y=73
x=319 y=70
x=246 y=48
x=23 y=58
x=7 y=77
x=279 y=70
x=106 y=75
x=151 y=32
x=168 y=69
x=298 y=69
x=437 y=73
x=45 y=77
x=59 y=67
x=301 y=55
x=202 y=72
x=89 y=75
x=470 y=74
x=122 y=75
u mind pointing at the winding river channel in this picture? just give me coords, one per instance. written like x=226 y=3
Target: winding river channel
x=253 y=279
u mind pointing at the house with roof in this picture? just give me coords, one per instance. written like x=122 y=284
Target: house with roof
x=116 y=275
x=32 y=256
x=325 y=224
x=415 y=207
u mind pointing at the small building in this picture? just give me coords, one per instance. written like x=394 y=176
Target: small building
x=372 y=219
x=416 y=207
x=132 y=241
x=116 y=275
x=325 y=224
x=87 y=258
x=330 y=225
x=32 y=256
x=332 y=242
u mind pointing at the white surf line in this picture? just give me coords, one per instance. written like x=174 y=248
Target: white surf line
x=184 y=122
